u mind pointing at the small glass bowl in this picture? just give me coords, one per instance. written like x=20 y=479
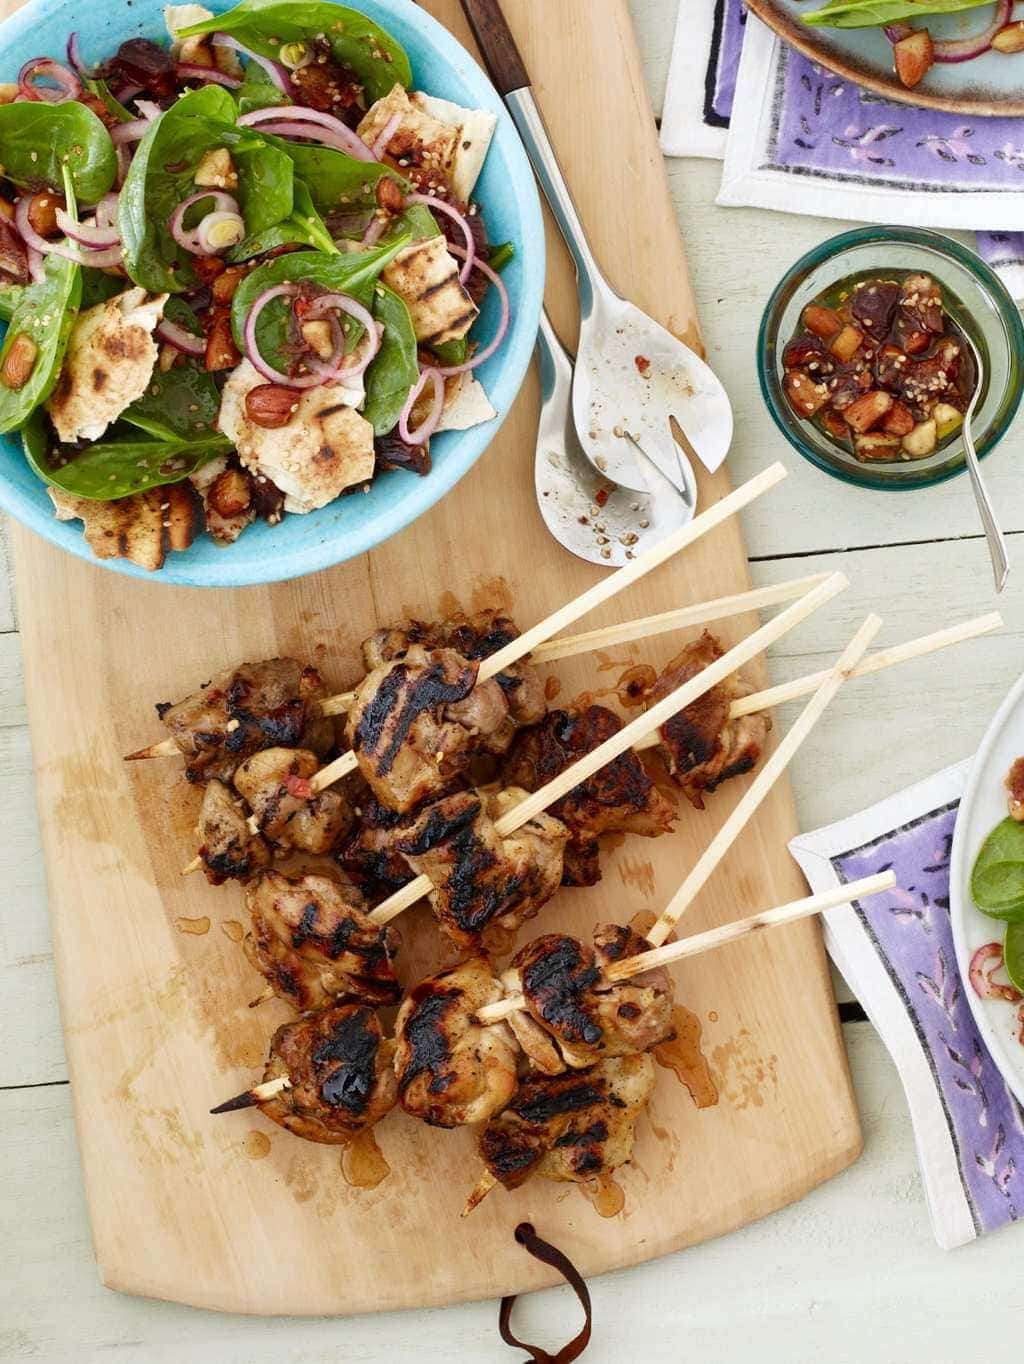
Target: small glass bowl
x=975 y=298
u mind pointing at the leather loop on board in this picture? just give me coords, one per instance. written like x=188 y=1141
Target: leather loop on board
x=550 y=1255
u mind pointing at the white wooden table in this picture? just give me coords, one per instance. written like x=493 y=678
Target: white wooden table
x=851 y=1273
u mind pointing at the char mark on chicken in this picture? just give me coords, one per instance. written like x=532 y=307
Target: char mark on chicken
x=475 y=638
x=227 y=848
x=369 y=857
x=452 y=1070
x=479 y=878
x=702 y=746
x=620 y=797
x=314 y=942
x=408 y=748
x=569 y=1127
x=586 y=1016
x=276 y=784
x=342 y=1076
x=259 y=705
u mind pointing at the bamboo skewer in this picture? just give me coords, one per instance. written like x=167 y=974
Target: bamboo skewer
x=645 y=627
x=763 y=782
x=257 y=1095
x=601 y=592
x=672 y=952
x=166 y=748
x=647 y=723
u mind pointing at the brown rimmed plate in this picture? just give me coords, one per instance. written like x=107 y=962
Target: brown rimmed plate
x=989 y=86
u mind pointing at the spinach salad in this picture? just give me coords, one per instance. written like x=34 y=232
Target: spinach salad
x=241 y=272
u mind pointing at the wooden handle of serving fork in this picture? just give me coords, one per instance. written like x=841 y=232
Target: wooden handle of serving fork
x=497 y=46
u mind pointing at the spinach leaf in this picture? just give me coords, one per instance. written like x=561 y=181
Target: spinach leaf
x=97 y=287
x=997 y=878
x=868 y=13
x=46 y=312
x=181 y=404
x=395 y=368
x=335 y=180
x=356 y=41
x=500 y=256
x=38 y=139
x=451 y=352
x=162 y=174
x=9 y=295
x=1013 y=953
x=122 y=463
x=352 y=273
x=258 y=91
x=102 y=91
x=303 y=227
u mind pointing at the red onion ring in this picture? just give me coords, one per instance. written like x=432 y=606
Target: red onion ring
x=506 y=313
x=75 y=56
x=106 y=210
x=380 y=144
x=342 y=303
x=68 y=84
x=179 y=338
x=132 y=131
x=436 y=204
x=194 y=72
x=148 y=109
x=984 y=964
x=252 y=349
x=204 y=227
x=36 y=266
x=374 y=231
x=309 y=131
x=951 y=50
x=32 y=239
x=426 y=428
x=124 y=93
x=189 y=238
x=298 y=113
x=277 y=73
x=88 y=234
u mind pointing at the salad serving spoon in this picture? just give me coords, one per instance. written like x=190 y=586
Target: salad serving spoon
x=631 y=373
x=606 y=525
x=993 y=535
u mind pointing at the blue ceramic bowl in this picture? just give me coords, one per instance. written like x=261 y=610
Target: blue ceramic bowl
x=354 y=524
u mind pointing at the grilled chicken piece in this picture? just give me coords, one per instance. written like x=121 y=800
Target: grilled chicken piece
x=476 y=638
x=569 y=1127
x=425 y=276
x=143 y=528
x=588 y=1017
x=451 y=1070
x=342 y=1075
x=226 y=846
x=275 y=782
x=398 y=727
x=702 y=746
x=621 y=796
x=259 y=705
x=369 y=856
x=1015 y=790
x=314 y=941
x=480 y=879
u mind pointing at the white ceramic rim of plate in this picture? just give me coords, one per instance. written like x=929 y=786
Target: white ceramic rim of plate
x=1010 y=1062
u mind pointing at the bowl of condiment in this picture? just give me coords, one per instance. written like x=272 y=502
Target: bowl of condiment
x=864 y=363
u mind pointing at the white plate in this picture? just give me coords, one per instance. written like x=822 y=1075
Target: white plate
x=982 y=808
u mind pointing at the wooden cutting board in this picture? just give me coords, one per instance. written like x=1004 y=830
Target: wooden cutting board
x=232 y=1212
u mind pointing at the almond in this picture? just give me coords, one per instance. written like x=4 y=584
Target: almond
x=42 y=212
x=389 y=195
x=271 y=405
x=19 y=361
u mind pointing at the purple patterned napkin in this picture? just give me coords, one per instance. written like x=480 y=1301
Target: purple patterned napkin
x=898 y=956
x=797 y=138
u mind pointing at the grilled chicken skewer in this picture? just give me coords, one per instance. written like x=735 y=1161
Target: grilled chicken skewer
x=602 y=591
x=620 y=742
x=579 y=1124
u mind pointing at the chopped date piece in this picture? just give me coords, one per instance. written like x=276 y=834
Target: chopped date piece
x=808 y=352
x=393 y=453
x=323 y=84
x=835 y=424
x=873 y=306
x=868 y=410
x=921 y=300
x=912 y=338
x=822 y=322
x=141 y=62
x=890 y=366
x=846 y=386
x=805 y=396
x=928 y=380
